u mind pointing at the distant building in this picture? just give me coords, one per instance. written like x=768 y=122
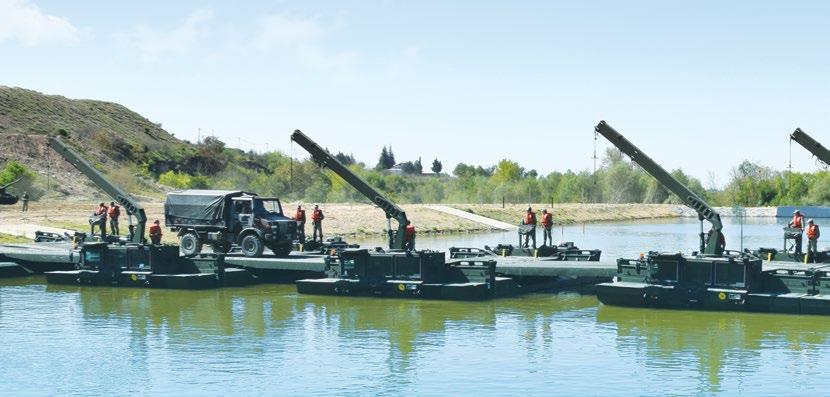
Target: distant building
x=396 y=169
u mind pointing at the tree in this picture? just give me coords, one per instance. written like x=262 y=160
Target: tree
x=390 y=159
x=437 y=166
x=383 y=161
x=507 y=171
x=419 y=169
x=346 y=159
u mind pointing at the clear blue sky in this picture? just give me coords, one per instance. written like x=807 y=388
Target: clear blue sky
x=698 y=85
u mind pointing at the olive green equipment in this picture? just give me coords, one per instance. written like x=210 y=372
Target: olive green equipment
x=324 y=159
x=812 y=145
x=711 y=243
x=132 y=207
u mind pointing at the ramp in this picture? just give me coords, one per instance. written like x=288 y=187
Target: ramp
x=473 y=217
x=28 y=229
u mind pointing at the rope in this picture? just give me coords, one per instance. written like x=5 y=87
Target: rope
x=790 y=167
x=595 y=156
x=291 y=166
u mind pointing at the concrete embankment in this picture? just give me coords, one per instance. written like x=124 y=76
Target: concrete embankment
x=564 y=214
x=750 y=212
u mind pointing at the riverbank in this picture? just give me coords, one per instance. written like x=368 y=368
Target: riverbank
x=566 y=214
x=352 y=220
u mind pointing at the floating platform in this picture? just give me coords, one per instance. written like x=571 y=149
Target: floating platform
x=17 y=260
x=147 y=279
x=677 y=282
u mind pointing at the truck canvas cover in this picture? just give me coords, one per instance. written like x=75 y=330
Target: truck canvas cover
x=198 y=207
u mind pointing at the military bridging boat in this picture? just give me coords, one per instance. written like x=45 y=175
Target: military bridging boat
x=712 y=278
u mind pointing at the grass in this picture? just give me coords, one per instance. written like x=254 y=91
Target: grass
x=10 y=238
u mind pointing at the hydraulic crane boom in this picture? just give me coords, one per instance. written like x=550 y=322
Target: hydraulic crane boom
x=811 y=145
x=129 y=203
x=324 y=159
x=704 y=211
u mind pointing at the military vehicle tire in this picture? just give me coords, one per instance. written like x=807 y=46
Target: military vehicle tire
x=282 y=251
x=252 y=246
x=190 y=244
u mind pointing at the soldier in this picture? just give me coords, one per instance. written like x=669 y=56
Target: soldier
x=299 y=216
x=100 y=215
x=530 y=220
x=409 y=237
x=797 y=223
x=547 y=224
x=317 y=222
x=813 y=234
x=113 y=213
x=155 y=233
x=25 y=199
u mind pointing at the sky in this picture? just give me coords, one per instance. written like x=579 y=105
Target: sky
x=698 y=85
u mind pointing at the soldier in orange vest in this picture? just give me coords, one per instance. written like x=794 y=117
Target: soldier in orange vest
x=813 y=233
x=299 y=216
x=797 y=223
x=100 y=215
x=114 y=212
x=530 y=220
x=317 y=222
x=547 y=225
x=409 y=237
x=155 y=233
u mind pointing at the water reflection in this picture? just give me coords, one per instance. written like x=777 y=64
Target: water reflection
x=267 y=339
x=720 y=344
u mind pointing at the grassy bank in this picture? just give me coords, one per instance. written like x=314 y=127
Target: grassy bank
x=10 y=238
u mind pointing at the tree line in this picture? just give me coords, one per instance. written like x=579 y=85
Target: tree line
x=211 y=165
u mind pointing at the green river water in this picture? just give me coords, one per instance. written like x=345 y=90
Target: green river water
x=268 y=340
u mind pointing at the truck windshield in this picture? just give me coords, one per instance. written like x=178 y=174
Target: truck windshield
x=267 y=207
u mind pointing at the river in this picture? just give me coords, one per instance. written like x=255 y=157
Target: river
x=267 y=339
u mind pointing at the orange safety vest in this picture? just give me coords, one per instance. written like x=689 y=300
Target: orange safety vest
x=317 y=215
x=547 y=219
x=410 y=231
x=812 y=231
x=155 y=230
x=299 y=216
x=530 y=218
x=114 y=212
x=797 y=219
x=102 y=211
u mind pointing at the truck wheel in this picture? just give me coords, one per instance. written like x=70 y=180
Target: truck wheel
x=252 y=246
x=190 y=244
x=282 y=251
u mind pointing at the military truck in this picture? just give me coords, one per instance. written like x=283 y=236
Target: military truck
x=227 y=218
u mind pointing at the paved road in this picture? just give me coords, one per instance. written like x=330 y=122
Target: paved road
x=473 y=217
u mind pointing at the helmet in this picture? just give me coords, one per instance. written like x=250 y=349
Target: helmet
x=810 y=221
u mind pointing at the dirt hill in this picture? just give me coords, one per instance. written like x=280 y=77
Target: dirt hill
x=109 y=135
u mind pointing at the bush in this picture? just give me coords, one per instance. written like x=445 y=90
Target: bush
x=14 y=171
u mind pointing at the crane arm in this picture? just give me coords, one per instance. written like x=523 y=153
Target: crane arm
x=812 y=145
x=326 y=160
x=704 y=210
x=130 y=204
